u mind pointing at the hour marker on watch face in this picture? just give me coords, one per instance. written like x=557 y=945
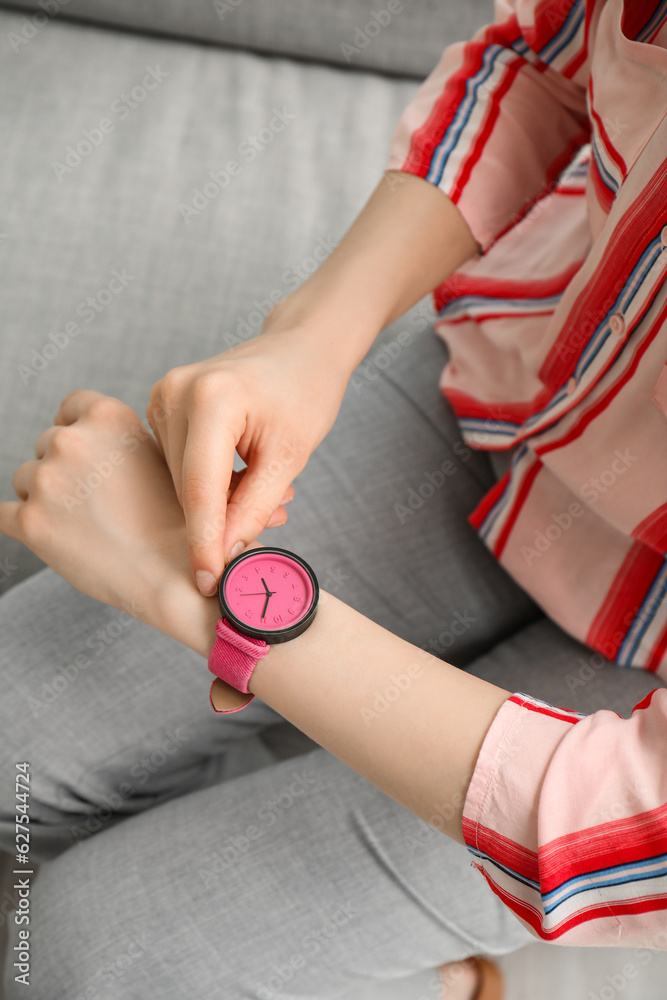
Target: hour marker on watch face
x=268 y=587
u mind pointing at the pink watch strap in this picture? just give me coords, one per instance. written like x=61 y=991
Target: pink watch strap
x=232 y=659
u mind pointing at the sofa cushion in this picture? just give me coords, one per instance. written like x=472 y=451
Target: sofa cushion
x=121 y=254
x=394 y=36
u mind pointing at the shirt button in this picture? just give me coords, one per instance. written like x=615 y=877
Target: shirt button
x=663 y=237
x=617 y=324
x=571 y=386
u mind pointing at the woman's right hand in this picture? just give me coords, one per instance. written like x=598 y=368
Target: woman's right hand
x=273 y=399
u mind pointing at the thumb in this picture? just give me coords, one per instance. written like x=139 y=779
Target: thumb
x=254 y=501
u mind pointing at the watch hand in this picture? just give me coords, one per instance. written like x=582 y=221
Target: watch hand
x=266 y=604
x=264 y=585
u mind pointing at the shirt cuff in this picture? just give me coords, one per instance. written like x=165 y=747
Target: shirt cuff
x=500 y=813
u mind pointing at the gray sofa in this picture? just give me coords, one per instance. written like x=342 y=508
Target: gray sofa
x=172 y=167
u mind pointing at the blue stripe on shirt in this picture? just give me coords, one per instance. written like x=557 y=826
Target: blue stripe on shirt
x=564 y=36
x=659 y=15
x=644 y=617
x=491 y=55
x=601 y=878
x=465 y=109
x=607 y=179
x=465 y=302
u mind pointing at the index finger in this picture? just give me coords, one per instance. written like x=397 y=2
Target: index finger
x=208 y=461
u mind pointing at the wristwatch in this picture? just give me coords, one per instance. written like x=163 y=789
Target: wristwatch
x=267 y=595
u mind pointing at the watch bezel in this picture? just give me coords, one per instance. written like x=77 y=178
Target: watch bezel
x=274 y=636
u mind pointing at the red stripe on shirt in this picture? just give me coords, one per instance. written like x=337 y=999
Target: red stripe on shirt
x=552 y=711
x=645 y=702
x=613 y=908
x=619 y=842
x=460 y=285
x=534 y=916
x=626 y=841
x=519 y=500
x=481 y=512
x=610 y=149
x=571 y=68
x=488 y=122
x=624 y=599
x=545 y=13
x=604 y=195
x=636 y=16
x=465 y=405
x=653 y=529
x=530 y=914
x=478 y=316
x=506 y=852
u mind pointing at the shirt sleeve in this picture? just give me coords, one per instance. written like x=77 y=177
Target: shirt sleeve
x=501 y=115
x=566 y=818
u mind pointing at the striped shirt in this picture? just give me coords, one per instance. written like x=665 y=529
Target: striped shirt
x=548 y=130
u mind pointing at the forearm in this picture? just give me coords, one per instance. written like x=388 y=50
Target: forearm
x=406 y=240
x=336 y=683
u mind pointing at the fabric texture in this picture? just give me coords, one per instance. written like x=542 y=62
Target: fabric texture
x=549 y=132
x=232 y=659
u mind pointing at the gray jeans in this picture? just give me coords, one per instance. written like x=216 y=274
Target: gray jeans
x=185 y=855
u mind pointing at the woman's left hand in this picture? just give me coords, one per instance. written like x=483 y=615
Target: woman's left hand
x=97 y=504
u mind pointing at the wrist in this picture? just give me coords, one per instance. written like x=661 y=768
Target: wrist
x=327 y=322
x=179 y=611
x=182 y=613
x=300 y=650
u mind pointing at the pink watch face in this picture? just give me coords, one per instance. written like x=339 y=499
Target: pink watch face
x=269 y=593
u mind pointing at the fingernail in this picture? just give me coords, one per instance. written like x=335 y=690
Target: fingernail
x=286 y=499
x=205 y=582
x=235 y=550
